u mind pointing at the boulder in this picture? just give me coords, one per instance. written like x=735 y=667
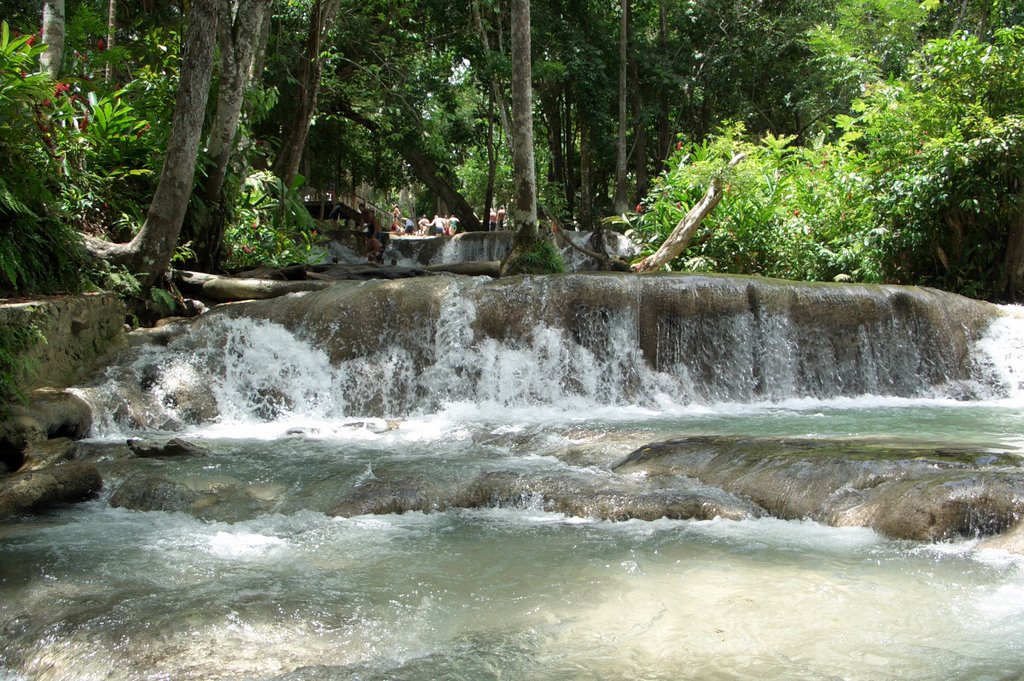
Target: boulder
x=174 y=447
x=48 y=413
x=34 y=491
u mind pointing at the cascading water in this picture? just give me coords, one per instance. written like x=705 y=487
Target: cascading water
x=497 y=412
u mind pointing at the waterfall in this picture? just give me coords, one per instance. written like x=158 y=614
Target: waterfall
x=570 y=343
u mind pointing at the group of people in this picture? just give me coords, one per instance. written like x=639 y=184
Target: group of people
x=376 y=237
x=441 y=225
x=496 y=219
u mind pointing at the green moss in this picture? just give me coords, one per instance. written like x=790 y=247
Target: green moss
x=15 y=341
x=541 y=258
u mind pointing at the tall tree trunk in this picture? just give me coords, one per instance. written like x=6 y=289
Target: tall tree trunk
x=149 y=253
x=1011 y=282
x=53 y=37
x=426 y=170
x=523 y=168
x=586 y=175
x=108 y=71
x=640 y=127
x=621 y=202
x=492 y=161
x=286 y=166
x=551 y=105
x=664 y=133
x=240 y=23
x=569 y=139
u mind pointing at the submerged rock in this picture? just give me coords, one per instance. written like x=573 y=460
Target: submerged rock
x=918 y=493
x=172 y=448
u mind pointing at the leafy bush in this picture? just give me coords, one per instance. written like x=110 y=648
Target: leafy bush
x=271 y=225
x=38 y=249
x=947 y=181
x=787 y=211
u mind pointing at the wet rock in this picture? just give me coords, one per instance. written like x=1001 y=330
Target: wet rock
x=399 y=495
x=604 y=497
x=153 y=493
x=215 y=498
x=48 y=413
x=172 y=448
x=40 y=455
x=1011 y=541
x=918 y=493
x=34 y=491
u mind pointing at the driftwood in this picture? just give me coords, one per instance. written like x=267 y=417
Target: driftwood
x=680 y=237
x=228 y=289
x=472 y=268
x=609 y=263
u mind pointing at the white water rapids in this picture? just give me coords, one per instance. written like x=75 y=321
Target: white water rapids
x=510 y=592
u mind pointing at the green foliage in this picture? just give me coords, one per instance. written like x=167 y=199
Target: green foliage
x=38 y=250
x=945 y=147
x=272 y=226
x=787 y=211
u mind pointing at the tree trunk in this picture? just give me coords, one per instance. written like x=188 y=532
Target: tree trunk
x=53 y=37
x=1011 y=282
x=108 y=71
x=640 y=129
x=286 y=166
x=586 y=175
x=664 y=134
x=680 y=237
x=240 y=24
x=569 y=139
x=149 y=253
x=492 y=161
x=621 y=202
x=427 y=171
x=524 y=171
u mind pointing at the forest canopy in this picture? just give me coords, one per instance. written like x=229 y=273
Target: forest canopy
x=883 y=140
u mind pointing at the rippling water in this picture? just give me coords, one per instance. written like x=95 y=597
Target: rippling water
x=270 y=587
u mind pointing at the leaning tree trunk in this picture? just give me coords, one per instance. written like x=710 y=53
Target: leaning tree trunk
x=286 y=166
x=426 y=170
x=523 y=168
x=149 y=253
x=680 y=237
x=240 y=24
x=53 y=37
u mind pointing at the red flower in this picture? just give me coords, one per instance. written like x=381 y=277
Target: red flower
x=101 y=44
x=31 y=40
x=83 y=124
x=60 y=88
x=796 y=213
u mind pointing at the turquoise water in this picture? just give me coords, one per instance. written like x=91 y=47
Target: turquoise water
x=501 y=593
